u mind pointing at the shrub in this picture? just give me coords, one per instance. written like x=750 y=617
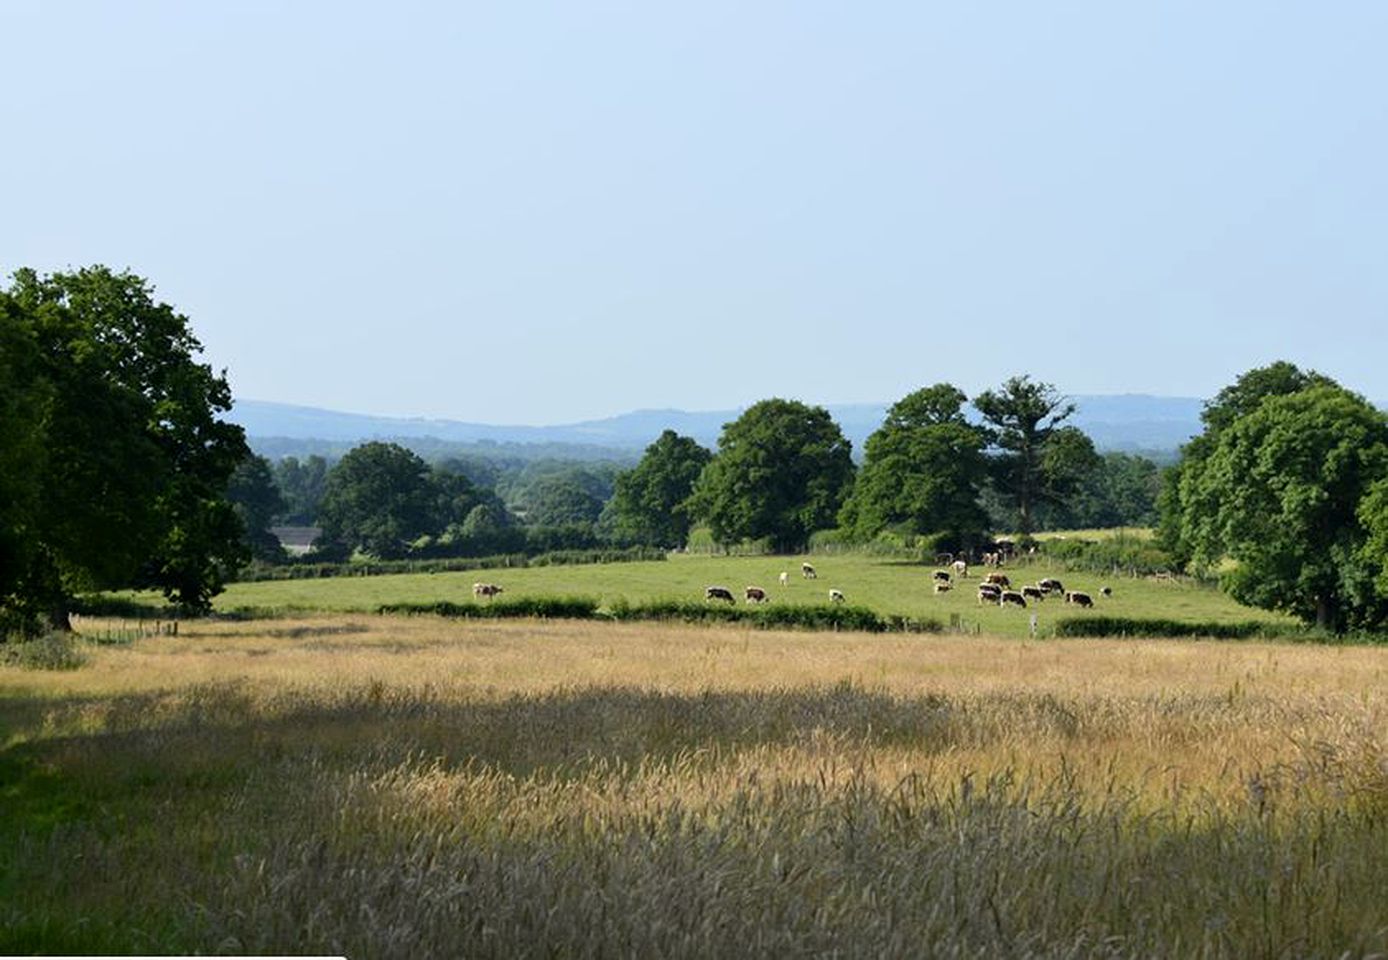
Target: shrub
x=822 y=617
x=1158 y=627
x=570 y=608
x=1121 y=554
x=50 y=651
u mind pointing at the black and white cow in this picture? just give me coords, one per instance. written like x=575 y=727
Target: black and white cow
x=718 y=593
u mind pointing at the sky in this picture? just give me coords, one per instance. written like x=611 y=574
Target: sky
x=523 y=212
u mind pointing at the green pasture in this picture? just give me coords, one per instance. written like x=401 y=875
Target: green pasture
x=887 y=586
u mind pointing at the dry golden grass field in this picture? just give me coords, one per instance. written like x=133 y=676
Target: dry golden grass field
x=411 y=787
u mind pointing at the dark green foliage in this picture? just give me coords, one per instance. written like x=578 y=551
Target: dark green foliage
x=834 y=617
x=558 y=501
x=119 y=426
x=922 y=472
x=487 y=528
x=317 y=571
x=257 y=501
x=302 y=484
x=1132 y=556
x=379 y=499
x=1120 y=491
x=649 y=504
x=1373 y=515
x=1280 y=487
x=569 y=608
x=771 y=617
x=782 y=471
x=1156 y=627
x=1037 y=460
x=1176 y=501
x=25 y=396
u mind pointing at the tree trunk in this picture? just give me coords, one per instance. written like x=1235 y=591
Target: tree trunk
x=58 y=617
x=1324 y=614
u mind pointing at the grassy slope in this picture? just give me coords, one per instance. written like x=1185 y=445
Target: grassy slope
x=887 y=586
x=402 y=788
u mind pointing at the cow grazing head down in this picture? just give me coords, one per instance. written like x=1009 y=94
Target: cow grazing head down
x=808 y=572
x=485 y=590
x=755 y=595
x=836 y=596
x=1079 y=598
x=1012 y=597
x=719 y=593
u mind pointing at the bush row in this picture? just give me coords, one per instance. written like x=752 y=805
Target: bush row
x=314 y=571
x=835 y=617
x=682 y=611
x=569 y=608
x=1158 y=627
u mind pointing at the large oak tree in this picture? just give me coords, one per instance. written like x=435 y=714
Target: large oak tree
x=1286 y=487
x=923 y=468
x=782 y=471
x=117 y=431
x=650 y=504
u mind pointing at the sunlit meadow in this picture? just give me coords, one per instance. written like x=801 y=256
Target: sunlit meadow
x=406 y=787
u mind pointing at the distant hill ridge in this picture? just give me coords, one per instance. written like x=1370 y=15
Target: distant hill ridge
x=1125 y=422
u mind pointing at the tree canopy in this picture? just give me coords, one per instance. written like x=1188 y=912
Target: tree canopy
x=923 y=469
x=1036 y=460
x=378 y=499
x=650 y=504
x=117 y=427
x=257 y=501
x=1286 y=486
x=782 y=471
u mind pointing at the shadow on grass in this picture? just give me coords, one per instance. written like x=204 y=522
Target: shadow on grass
x=204 y=737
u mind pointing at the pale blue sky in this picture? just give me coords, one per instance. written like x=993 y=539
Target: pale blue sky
x=530 y=213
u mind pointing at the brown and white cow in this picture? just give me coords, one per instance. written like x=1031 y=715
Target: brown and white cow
x=755 y=595
x=1000 y=579
x=488 y=590
x=718 y=593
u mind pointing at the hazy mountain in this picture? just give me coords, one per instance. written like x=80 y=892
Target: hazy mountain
x=1127 y=422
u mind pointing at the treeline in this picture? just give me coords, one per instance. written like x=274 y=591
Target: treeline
x=783 y=473
x=117 y=470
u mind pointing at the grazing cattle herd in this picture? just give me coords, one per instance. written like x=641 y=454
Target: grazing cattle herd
x=995 y=587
